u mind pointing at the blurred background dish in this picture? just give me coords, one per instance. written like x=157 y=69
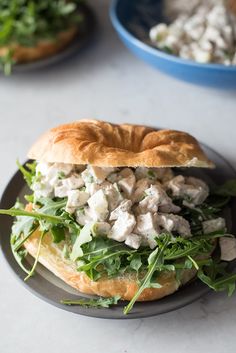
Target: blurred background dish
x=133 y=21
x=205 y=31
x=34 y=35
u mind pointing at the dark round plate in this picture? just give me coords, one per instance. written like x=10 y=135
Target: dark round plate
x=86 y=32
x=51 y=289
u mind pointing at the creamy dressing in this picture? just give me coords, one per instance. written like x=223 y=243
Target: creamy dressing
x=131 y=205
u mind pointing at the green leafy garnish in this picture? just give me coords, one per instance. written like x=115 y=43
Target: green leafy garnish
x=101 y=257
x=216 y=276
x=227 y=189
x=58 y=233
x=28 y=171
x=93 y=303
x=155 y=261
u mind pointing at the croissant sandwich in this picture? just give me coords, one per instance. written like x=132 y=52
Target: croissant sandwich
x=116 y=211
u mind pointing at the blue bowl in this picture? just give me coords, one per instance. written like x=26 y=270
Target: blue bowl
x=133 y=19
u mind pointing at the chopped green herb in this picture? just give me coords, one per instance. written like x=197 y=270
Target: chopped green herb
x=151 y=174
x=28 y=171
x=61 y=175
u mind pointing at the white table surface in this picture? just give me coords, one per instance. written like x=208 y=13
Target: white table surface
x=106 y=82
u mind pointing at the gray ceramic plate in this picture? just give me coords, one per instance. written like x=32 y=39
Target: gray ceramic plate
x=87 y=30
x=51 y=289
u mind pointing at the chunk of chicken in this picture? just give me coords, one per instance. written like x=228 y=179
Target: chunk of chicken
x=122 y=227
x=124 y=206
x=42 y=189
x=127 y=182
x=146 y=224
x=194 y=190
x=173 y=223
x=42 y=168
x=52 y=170
x=57 y=172
x=157 y=199
x=228 y=248
x=98 y=205
x=213 y=225
x=147 y=227
x=73 y=182
x=61 y=191
x=76 y=198
x=99 y=174
x=83 y=216
x=113 y=195
x=133 y=240
x=87 y=177
x=101 y=229
x=49 y=176
x=139 y=190
x=145 y=173
x=153 y=174
x=111 y=191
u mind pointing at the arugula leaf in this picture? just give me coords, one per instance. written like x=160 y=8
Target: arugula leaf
x=218 y=279
x=96 y=261
x=155 y=260
x=37 y=215
x=93 y=303
x=23 y=225
x=19 y=256
x=29 y=198
x=194 y=263
x=28 y=171
x=51 y=207
x=58 y=233
x=195 y=216
x=135 y=261
x=227 y=189
x=179 y=247
x=218 y=201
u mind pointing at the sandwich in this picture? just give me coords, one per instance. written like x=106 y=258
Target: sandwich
x=33 y=30
x=116 y=211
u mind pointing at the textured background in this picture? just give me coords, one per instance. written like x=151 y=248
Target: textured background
x=106 y=82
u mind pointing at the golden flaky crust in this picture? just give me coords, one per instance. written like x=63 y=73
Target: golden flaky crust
x=103 y=144
x=126 y=286
x=43 y=49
